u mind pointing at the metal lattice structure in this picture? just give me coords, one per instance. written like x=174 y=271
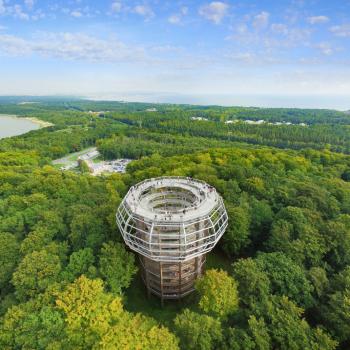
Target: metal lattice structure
x=172 y=222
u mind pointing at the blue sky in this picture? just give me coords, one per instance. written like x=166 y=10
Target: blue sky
x=294 y=52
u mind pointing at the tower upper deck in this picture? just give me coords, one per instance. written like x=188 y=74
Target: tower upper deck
x=172 y=218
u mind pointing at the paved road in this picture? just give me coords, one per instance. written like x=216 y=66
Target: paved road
x=70 y=161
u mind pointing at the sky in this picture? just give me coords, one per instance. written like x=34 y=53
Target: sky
x=293 y=53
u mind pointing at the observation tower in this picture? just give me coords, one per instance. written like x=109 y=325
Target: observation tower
x=171 y=222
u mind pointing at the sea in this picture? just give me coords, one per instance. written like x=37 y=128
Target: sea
x=12 y=126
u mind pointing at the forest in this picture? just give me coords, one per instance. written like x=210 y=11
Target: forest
x=278 y=279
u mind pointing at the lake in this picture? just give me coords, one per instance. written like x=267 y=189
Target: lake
x=12 y=126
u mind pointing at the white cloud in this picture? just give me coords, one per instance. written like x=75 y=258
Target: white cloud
x=318 y=19
x=325 y=48
x=184 y=10
x=18 y=12
x=263 y=57
x=342 y=30
x=215 y=11
x=71 y=46
x=29 y=3
x=279 y=28
x=76 y=14
x=38 y=15
x=13 y=45
x=245 y=57
x=288 y=37
x=261 y=20
x=242 y=28
x=2 y=7
x=174 y=19
x=144 y=10
x=116 y=7
x=166 y=48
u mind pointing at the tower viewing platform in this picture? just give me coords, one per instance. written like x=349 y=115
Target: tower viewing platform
x=172 y=222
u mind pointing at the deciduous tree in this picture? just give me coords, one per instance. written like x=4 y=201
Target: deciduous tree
x=117 y=266
x=198 y=332
x=218 y=293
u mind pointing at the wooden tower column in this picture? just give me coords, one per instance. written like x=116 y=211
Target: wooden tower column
x=161 y=283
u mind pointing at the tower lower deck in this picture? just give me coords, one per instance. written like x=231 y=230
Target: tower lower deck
x=171 y=280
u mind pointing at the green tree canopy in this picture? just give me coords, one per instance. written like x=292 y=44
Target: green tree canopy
x=337 y=310
x=237 y=234
x=198 y=332
x=218 y=293
x=9 y=256
x=253 y=283
x=35 y=273
x=117 y=266
x=80 y=262
x=286 y=277
x=96 y=320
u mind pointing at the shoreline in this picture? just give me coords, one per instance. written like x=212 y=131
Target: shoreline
x=41 y=123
